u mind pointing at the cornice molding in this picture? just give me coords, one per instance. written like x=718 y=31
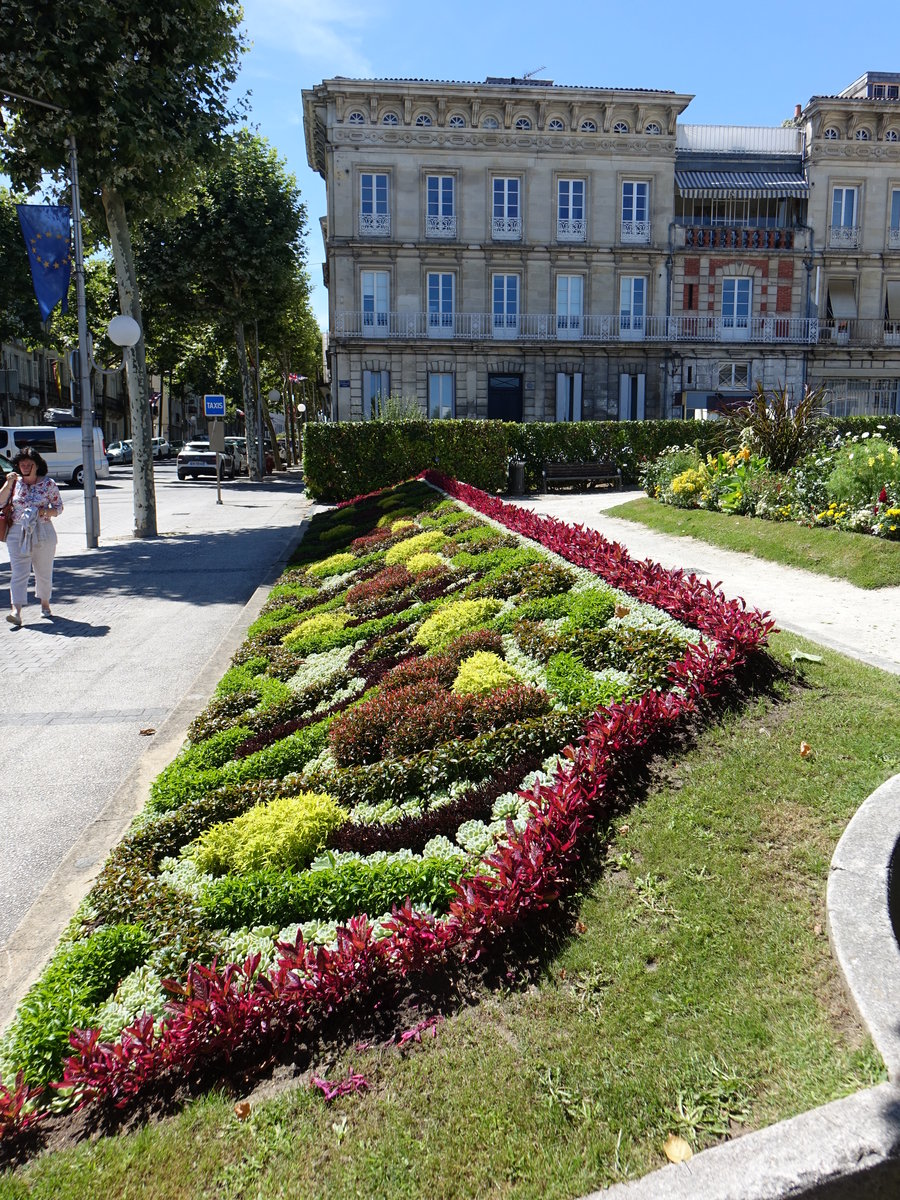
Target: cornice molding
x=434 y=138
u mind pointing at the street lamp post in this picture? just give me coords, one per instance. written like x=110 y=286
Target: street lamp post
x=272 y=397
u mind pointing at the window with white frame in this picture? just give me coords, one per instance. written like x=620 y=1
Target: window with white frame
x=894 y=231
x=569 y=305
x=505 y=305
x=844 y=218
x=456 y=121
x=737 y=298
x=570 y=222
x=375 y=291
x=523 y=123
x=441 y=288
x=440 y=206
x=635 y=211
x=376 y=389
x=555 y=124
x=588 y=126
x=374 y=214
x=832 y=134
x=862 y=135
x=490 y=123
x=653 y=129
x=390 y=118
x=506 y=222
x=891 y=135
x=568 y=395
x=632 y=305
x=620 y=127
x=356 y=118
x=441 y=396
x=734 y=376
x=422 y=120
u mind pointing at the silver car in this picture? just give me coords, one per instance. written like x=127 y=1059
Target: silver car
x=198 y=458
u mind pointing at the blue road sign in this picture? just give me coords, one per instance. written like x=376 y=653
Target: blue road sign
x=214 y=406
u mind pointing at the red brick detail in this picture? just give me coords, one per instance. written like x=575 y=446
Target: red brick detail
x=783 y=303
x=692 y=266
x=786 y=268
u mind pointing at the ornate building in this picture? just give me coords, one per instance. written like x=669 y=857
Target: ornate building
x=524 y=250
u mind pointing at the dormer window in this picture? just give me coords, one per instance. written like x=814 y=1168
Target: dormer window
x=390 y=118
x=555 y=124
x=356 y=118
x=831 y=134
x=588 y=126
x=457 y=122
x=490 y=123
x=620 y=127
x=423 y=119
x=653 y=129
x=862 y=135
x=892 y=136
x=523 y=123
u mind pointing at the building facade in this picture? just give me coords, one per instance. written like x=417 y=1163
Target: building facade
x=523 y=250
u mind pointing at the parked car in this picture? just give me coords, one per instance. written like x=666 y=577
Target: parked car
x=119 y=453
x=238 y=448
x=198 y=458
x=161 y=448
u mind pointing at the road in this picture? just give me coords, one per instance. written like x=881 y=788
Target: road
x=134 y=623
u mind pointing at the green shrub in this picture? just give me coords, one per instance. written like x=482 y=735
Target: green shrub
x=431 y=539
x=452 y=620
x=424 y=562
x=241 y=678
x=336 y=564
x=589 y=610
x=335 y=893
x=78 y=977
x=574 y=684
x=322 y=624
x=860 y=470
x=484 y=672
x=283 y=834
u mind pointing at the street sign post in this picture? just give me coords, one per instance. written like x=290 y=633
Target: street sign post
x=213 y=406
x=217 y=443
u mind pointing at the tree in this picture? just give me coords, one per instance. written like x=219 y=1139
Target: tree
x=144 y=91
x=235 y=256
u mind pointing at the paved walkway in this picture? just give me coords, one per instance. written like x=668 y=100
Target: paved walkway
x=135 y=624
x=863 y=624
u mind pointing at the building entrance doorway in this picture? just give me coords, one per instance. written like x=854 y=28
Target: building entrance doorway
x=504 y=398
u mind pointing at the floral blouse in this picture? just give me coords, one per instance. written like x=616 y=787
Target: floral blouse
x=43 y=493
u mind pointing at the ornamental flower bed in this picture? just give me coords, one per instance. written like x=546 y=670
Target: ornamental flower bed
x=849 y=482
x=397 y=775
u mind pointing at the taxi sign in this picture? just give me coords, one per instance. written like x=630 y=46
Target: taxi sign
x=214 y=406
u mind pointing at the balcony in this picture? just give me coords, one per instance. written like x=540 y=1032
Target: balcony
x=635 y=233
x=375 y=224
x=843 y=237
x=440 y=227
x=506 y=229
x=856 y=331
x=554 y=328
x=738 y=237
x=571 y=230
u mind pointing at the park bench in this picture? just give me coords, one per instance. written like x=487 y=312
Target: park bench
x=603 y=472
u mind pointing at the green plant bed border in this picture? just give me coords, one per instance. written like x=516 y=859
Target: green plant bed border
x=695 y=993
x=867 y=562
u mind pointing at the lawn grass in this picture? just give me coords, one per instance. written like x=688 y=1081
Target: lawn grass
x=696 y=994
x=867 y=562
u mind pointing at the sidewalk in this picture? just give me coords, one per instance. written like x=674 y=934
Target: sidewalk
x=862 y=624
x=98 y=700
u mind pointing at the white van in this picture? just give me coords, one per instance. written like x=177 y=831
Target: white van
x=60 y=446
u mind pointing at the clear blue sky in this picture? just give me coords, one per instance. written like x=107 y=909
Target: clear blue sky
x=744 y=64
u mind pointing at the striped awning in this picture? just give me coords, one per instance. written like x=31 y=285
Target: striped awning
x=740 y=185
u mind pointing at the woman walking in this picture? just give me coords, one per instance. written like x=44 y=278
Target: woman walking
x=32 y=539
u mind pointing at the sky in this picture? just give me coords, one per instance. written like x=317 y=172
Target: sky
x=744 y=64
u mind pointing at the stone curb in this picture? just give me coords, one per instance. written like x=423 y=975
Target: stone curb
x=849 y=1149
x=34 y=938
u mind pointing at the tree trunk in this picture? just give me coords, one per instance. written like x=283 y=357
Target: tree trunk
x=268 y=420
x=135 y=368
x=249 y=402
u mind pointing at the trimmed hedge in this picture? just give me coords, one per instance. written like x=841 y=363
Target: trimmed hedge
x=352 y=458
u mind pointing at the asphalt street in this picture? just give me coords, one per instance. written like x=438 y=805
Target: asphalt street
x=134 y=623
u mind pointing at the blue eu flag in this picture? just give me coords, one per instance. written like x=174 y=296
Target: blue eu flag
x=46 y=230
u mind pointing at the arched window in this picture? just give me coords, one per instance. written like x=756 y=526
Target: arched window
x=620 y=127
x=423 y=119
x=892 y=136
x=653 y=128
x=390 y=118
x=555 y=124
x=490 y=123
x=356 y=118
x=588 y=126
x=831 y=134
x=523 y=123
x=457 y=122
x=862 y=135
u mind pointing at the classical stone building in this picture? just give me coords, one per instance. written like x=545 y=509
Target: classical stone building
x=525 y=250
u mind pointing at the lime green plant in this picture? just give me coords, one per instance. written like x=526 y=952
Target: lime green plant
x=333 y=565
x=284 y=834
x=321 y=624
x=454 y=619
x=424 y=562
x=430 y=540
x=483 y=672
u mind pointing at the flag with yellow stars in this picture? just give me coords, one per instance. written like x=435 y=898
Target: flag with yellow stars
x=46 y=230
